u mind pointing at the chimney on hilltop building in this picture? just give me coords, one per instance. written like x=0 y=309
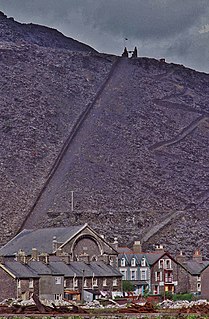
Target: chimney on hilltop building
x=181 y=258
x=197 y=256
x=137 y=247
x=159 y=248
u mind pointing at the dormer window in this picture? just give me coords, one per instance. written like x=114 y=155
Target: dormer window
x=168 y=264
x=143 y=262
x=161 y=263
x=133 y=262
x=123 y=262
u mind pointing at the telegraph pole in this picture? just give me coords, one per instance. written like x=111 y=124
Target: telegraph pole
x=72 y=201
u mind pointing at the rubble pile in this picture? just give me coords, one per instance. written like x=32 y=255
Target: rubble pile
x=34 y=305
x=184 y=306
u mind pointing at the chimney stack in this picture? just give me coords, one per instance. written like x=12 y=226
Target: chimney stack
x=34 y=254
x=159 y=248
x=181 y=258
x=44 y=258
x=21 y=257
x=197 y=256
x=137 y=247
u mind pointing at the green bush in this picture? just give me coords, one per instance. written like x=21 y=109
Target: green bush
x=186 y=296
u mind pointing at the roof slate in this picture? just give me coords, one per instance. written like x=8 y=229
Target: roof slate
x=34 y=269
x=194 y=267
x=41 y=239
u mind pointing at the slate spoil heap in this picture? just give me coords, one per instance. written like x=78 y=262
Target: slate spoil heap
x=140 y=159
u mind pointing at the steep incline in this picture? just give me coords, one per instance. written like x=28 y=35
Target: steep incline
x=43 y=93
x=131 y=141
x=123 y=182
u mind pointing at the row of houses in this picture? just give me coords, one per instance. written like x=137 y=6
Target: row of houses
x=158 y=272
x=77 y=263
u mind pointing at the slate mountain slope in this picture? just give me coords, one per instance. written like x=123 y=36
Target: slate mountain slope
x=138 y=165
x=13 y=31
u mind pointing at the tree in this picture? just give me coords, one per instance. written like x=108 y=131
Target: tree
x=127 y=286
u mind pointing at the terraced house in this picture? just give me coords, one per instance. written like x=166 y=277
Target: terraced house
x=154 y=272
x=58 y=262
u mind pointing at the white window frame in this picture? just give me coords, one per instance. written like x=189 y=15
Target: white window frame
x=31 y=283
x=94 y=282
x=143 y=262
x=133 y=262
x=85 y=283
x=18 y=283
x=199 y=287
x=124 y=273
x=104 y=283
x=75 y=282
x=115 y=282
x=167 y=263
x=133 y=271
x=123 y=262
x=161 y=264
x=144 y=272
x=58 y=297
x=58 y=280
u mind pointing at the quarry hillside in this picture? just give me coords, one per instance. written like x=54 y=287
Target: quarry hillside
x=130 y=138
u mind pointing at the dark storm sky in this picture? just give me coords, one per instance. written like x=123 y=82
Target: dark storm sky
x=175 y=29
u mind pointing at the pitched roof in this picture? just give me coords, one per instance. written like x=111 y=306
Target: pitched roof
x=19 y=270
x=151 y=257
x=38 y=238
x=34 y=269
x=195 y=267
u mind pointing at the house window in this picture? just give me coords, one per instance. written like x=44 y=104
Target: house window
x=198 y=278
x=143 y=274
x=75 y=282
x=143 y=262
x=58 y=297
x=161 y=263
x=58 y=280
x=133 y=274
x=30 y=283
x=105 y=282
x=199 y=287
x=18 y=283
x=94 y=282
x=85 y=283
x=133 y=262
x=115 y=282
x=168 y=264
x=123 y=272
x=158 y=276
x=123 y=262
x=65 y=283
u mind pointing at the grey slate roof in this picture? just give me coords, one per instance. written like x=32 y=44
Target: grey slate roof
x=20 y=270
x=194 y=267
x=34 y=269
x=150 y=257
x=38 y=238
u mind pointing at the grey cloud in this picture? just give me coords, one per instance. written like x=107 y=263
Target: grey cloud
x=159 y=28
